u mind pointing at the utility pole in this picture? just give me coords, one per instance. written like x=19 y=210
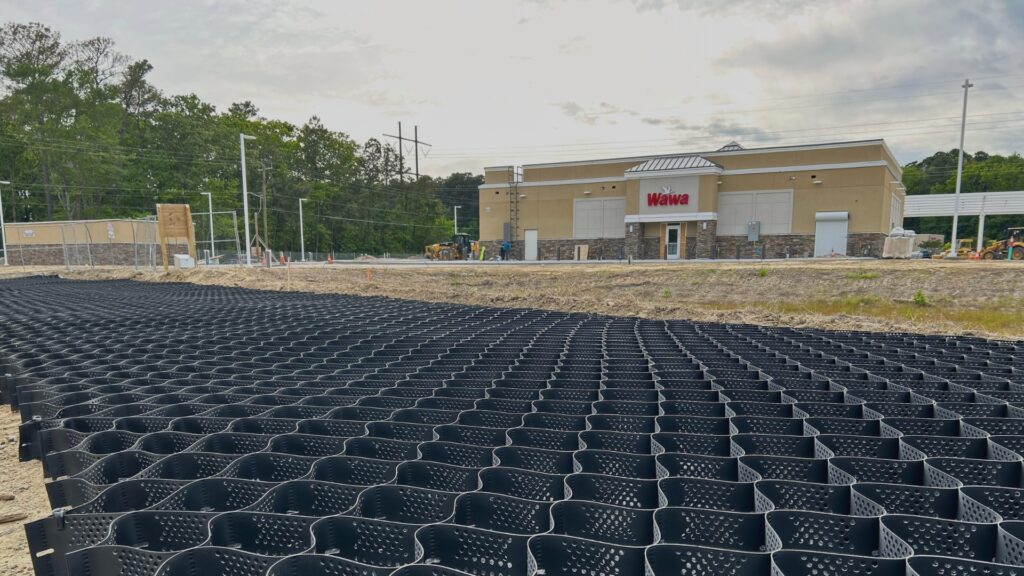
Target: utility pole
x=401 y=159
x=457 y=219
x=416 y=147
x=263 y=203
x=959 y=171
x=3 y=227
x=245 y=200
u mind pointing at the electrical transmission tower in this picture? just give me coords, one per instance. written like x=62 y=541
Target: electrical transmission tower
x=416 y=143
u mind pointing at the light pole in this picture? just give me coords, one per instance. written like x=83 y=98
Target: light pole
x=245 y=199
x=302 y=232
x=457 y=219
x=959 y=171
x=209 y=203
x=3 y=226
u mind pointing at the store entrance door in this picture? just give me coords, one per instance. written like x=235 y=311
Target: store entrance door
x=672 y=242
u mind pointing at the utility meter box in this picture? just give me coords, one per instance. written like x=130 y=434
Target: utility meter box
x=753 y=230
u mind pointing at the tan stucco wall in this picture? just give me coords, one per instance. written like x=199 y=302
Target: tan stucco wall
x=859 y=191
x=493 y=213
x=708 y=199
x=496 y=176
x=548 y=209
x=609 y=170
x=93 y=231
x=738 y=161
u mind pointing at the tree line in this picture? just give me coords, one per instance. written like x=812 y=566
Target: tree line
x=84 y=134
x=982 y=172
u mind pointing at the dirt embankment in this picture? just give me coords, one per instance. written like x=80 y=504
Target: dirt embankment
x=22 y=498
x=918 y=296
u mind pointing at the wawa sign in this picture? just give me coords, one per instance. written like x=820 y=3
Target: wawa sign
x=667 y=198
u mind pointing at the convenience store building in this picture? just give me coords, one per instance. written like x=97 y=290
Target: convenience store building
x=839 y=198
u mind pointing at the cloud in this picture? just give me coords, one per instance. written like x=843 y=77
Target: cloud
x=713 y=133
x=571 y=45
x=603 y=112
x=906 y=40
x=724 y=7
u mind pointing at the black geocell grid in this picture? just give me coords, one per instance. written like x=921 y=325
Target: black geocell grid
x=217 y=431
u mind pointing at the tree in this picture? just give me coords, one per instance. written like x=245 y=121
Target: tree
x=982 y=172
x=85 y=134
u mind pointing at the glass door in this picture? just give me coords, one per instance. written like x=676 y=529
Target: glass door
x=672 y=241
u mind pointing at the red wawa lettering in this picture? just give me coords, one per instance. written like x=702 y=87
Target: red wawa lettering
x=659 y=199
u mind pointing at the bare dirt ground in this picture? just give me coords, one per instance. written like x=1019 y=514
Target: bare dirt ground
x=982 y=298
x=935 y=297
x=23 y=481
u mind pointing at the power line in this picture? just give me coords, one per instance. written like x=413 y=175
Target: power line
x=786 y=141
x=753 y=132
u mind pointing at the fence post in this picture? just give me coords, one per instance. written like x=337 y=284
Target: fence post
x=64 y=246
x=135 y=248
x=88 y=245
x=238 y=251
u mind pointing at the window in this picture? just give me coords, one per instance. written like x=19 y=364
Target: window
x=599 y=218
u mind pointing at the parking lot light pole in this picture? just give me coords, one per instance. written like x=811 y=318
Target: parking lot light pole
x=457 y=219
x=209 y=203
x=302 y=231
x=3 y=226
x=245 y=200
x=959 y=172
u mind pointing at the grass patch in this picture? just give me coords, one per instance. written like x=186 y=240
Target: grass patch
x=861 y=275
x=1005 y=317
x=919 y=299
x=762 y=272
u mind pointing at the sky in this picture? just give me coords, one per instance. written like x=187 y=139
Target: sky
x=492 y=82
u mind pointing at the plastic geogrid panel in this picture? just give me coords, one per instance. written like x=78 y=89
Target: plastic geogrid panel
x=200 y=431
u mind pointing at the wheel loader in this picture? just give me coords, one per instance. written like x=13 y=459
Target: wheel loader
x=461 y=247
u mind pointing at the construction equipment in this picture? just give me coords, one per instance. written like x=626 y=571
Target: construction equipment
x=997 y=250
x=964 y=248
x=461 y=247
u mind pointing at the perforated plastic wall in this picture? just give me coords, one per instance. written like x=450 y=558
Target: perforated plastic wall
x=202 y=431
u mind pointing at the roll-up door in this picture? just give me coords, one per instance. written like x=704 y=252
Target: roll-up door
x=830 y=233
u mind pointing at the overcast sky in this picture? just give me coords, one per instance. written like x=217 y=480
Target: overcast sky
x=498 y=82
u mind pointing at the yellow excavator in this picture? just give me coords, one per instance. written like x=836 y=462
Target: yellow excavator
x=461 y=247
